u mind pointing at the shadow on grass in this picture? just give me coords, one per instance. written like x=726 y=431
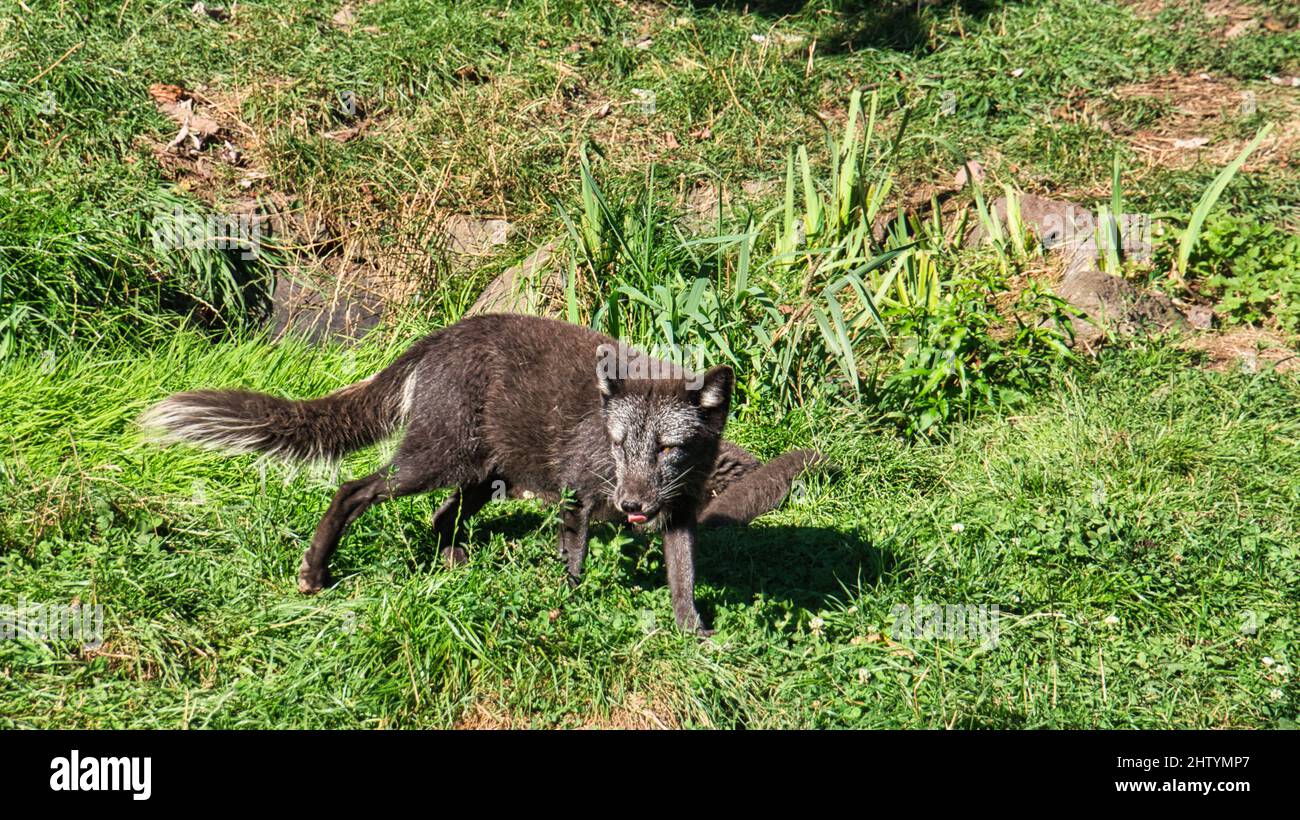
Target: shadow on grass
x=804 y=566
x=514 y=522
x=900 y=25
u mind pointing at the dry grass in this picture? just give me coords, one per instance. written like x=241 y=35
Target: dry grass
x=1202 y=108
x=635 y=711
x=1246 y=348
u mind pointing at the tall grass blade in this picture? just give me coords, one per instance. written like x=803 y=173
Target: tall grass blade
x=1211 y=196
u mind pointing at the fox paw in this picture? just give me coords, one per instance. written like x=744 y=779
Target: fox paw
x=309 y=583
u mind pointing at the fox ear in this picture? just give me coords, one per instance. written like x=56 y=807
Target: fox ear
x=715 y=391
x=607 y=378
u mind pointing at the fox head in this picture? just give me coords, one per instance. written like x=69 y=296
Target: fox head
x=664 y=425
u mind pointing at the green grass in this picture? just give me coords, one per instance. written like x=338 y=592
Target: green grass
x=483 y=107
x=1148 y=492
x=1128 y=515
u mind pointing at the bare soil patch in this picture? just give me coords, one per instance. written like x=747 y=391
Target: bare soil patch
x=1230 y=19
x=1198 y=126
x=636 y=711
x=1248 y=349
x=212 y=147
x=346 y=252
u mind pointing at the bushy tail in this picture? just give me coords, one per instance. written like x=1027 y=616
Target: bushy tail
x=241 y=421
x=742 y=488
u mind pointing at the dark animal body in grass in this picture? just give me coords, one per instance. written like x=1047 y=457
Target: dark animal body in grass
x=541 y=407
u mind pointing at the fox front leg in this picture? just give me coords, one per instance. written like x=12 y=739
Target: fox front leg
x=679 y=555
x=573 y=537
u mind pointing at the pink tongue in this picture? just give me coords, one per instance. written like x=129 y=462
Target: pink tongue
x=636 y=518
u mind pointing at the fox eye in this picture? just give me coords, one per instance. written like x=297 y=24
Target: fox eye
x=668 y=449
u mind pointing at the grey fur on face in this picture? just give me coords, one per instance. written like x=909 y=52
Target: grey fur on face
x=663 y=425
x=652 y=444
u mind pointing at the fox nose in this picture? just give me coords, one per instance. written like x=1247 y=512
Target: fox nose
x=630 y=507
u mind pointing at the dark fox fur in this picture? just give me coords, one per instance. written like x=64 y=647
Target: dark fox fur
x=533 y=405
x=741 y=487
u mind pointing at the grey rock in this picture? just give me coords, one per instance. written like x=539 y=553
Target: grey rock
x=1108 y=302
x=534 y=286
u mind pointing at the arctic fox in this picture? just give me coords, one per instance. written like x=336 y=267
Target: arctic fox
x=542 y=407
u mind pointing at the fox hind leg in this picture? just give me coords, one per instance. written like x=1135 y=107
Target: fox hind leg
x=449 y=520
x=351 y=500
x=442 y=447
